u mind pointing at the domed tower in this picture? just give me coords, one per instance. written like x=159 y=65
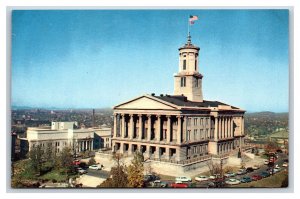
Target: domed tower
x=188 y=81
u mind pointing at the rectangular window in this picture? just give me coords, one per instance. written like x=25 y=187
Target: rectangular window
x=183 y=82
x=201 y=134
x=196 y=83
x=196 y=64
x=184 y=65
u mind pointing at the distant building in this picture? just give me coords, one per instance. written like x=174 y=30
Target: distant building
x=182 y=127
x=280 y=137
x=66 y=134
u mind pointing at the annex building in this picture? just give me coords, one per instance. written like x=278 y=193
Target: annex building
x=179 y=128
x=67 y=134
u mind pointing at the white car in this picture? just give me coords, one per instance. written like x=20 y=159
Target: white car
x=201 y=178
x=95 y=167
x=241 y=172
x=230 y=174
x=183 y=179
x=232 y=181
x=255 y=167
x=266 y=162
x=81 y=171
x=212 y=177
x=285 y=164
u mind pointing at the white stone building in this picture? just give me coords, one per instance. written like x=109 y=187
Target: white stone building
x=63 y=134
x=183 y=127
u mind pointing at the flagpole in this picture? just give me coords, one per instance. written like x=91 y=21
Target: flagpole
x=188 y=26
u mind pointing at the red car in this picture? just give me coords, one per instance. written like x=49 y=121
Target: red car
x=179 y=185
x=256 y=177
x=76 y=162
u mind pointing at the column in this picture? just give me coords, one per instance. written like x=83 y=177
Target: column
x=179 y=130
x=149 y=128
x=232 y=127
x=184 y=129
x=140 y=127
x=226 y=127
x=131 y=126
x=243 y=122
x=216 y=129
x=157 y=152
x=123 y=126
x=168 y=153
x=147 y=151
x=129 y=149
x=159 y=127
x=220 y=128
x=121 y=147
x=115 y=125
x=178 y=154
x=168 y=128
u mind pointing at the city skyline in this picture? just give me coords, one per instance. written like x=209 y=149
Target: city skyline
x=78 y=59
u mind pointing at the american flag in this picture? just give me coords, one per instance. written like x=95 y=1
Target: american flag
x=192 y=19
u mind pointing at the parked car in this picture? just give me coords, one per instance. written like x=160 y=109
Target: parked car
x=241 y=172
x=158 y=183
x=266 y=162
x=245 y=179
x=215 y=176
x=255 y=167
x=256 y=177
x=76 y=162
x=232 y=181
x=285 y=164
x=201 y=178
x=183 y=179
x=277 y=166
x=95 y=167
x=277 y=169
x=150 y=177
x=81 y=171
x=279 y=151
x=83 y=165
x=230 y=174
x=264 y=174
x=270 y=164
x=179 y=185
x=249 y=169
x=210 y=185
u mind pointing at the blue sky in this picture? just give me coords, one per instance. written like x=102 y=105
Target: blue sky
x=100 y=58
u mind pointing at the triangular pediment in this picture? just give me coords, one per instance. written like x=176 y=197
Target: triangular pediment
x=146 y=103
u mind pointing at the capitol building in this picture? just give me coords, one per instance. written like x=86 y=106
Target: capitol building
x=182 y=128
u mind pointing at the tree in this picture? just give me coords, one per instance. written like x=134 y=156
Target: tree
x=271 y=147
x=136 y=171
x=36 y=158
x=66 y=159
x=118 y=175
x=214 y=168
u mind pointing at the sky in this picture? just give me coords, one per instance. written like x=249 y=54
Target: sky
x=101 y=58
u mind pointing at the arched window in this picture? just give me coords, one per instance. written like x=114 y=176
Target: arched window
x=184 y=65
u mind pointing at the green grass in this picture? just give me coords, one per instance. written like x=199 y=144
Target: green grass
x=54 y=175
x=269 y=182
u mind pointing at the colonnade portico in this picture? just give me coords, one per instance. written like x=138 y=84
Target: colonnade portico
x=146 y=127
x=224 y=127
x=84 y=145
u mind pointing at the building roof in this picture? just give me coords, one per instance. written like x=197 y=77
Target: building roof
x=180 y=100
x=281 y=134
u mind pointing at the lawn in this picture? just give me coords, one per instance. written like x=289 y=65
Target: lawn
x=54 y=175
x=269 y=182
